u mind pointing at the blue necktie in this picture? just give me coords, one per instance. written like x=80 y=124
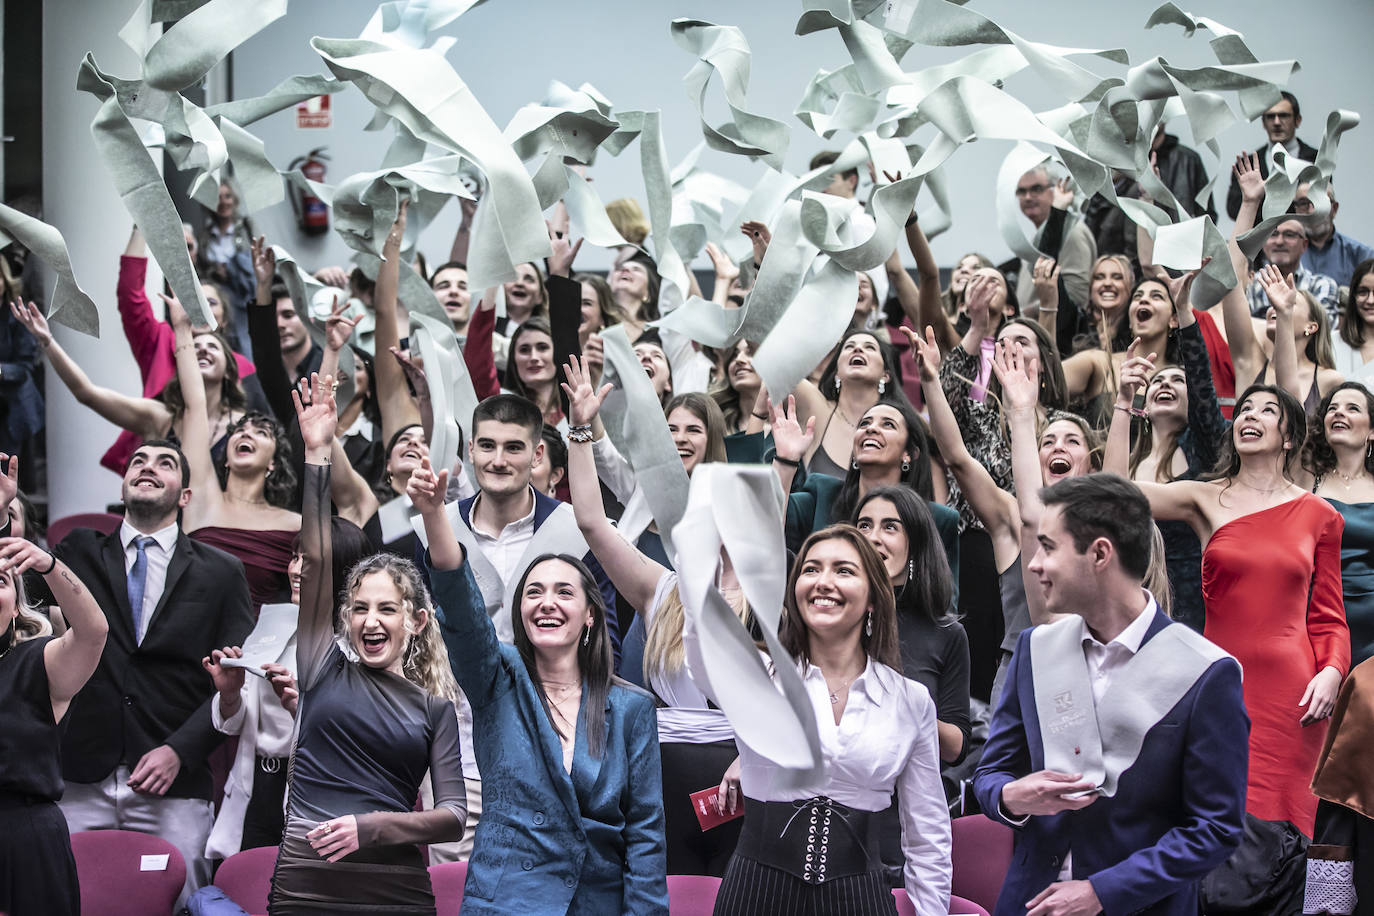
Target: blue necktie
x=138 y=580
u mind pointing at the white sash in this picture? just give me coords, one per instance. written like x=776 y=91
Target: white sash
x=1102 y=740
x=558 y=534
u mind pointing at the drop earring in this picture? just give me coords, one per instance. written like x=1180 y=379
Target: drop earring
x=837 y=384
x=906 y=465
x=587 y=635
x=882 y=386
x=868 y=627
x=910 y=570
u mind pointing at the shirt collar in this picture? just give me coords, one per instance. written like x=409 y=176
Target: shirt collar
x=526 y=521
x=873 y=680
x=1130 y=638
x=166 y=537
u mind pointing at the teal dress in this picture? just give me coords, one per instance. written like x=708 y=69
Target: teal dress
x=1357 y=576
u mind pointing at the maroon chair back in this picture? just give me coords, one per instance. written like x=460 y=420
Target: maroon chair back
x=982 y=855
x=958 y=906
x=447 y=879
x=109 y=865
x=104 y=522
x=246 y=877
x=692 y=895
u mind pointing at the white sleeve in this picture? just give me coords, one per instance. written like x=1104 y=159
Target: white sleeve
x=926 y=839
x=234 y=724
x=614 y=471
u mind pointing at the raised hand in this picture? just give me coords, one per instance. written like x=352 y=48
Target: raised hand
x=27 y=314
x=338 y=327
x=414 y=367
x=789 y=439
x=1045 y=278
x=727 y=271
x=333 y=276
x=926 y=351
x=1062 y=196
x=1281 y=290
x=284 y=686
x=979 y=295
x=1180 y=288
x=759 y=235
x=594 y=357
x=426 y=489
x=265 y=264
x=316 y=412
x=176 y=312
x=560 y=262
x=584 y=401
x=398 y=230
x=1135 y=374
x=9 y=480
x=1248 y=176
x=18 y=555
x=1019 y=375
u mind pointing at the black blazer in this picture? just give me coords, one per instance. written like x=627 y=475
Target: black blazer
x=156 y=692
x=1233 y=193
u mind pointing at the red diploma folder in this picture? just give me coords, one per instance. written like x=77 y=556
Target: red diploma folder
x=704 y=804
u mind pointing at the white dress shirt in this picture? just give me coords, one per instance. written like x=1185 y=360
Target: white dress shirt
x=159 y=554
x=506 y=548
x=885 y=740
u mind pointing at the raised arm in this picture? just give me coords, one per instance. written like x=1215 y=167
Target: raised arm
x=71 y=658
x=1135 y=375
x=1283 y=296
x=393 y=398
x=929 y=311
x=634 y=575
x=469 y=635
x=195 y=423
x=727 y=272
x=318 y=418
x=477 y=349
x=994 y=507
x=141 y=327
x=262 y=334
x=143 y=416
x=1240 y=330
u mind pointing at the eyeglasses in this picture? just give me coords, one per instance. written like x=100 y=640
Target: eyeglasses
x=1290 y=235
x=1032 y=190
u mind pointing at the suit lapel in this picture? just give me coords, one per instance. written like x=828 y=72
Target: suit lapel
x=122 y=618
x=178 y=564
x=586 y=769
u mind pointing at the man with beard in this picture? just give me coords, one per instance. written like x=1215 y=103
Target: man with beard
x=1285 y=249
x=138 y=734
x=1328 y=251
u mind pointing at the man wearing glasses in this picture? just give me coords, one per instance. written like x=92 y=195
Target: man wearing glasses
x=1036 y=194
x=1284 y=249
x=1281 y=123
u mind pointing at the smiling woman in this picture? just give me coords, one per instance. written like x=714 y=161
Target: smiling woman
x=878 y=735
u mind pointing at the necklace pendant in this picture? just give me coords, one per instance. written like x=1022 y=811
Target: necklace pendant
x=834 y=699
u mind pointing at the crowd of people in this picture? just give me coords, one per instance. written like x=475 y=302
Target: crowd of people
x=1061 y=549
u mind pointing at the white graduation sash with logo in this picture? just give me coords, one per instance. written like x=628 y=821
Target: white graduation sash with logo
x=1102 y=740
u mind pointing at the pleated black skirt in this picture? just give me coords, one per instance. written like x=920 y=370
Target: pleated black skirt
x=753 y=889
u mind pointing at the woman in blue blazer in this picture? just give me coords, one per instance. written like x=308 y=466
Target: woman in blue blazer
x=572 y=817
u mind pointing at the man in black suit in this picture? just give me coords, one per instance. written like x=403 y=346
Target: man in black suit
x=1281 y=123
x=138 y=734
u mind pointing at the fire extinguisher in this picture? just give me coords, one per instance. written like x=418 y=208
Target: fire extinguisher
x=312 y=214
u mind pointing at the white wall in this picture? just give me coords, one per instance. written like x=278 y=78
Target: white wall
x=507 y=52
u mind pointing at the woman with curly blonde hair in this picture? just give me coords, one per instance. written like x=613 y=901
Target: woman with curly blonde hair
x=368 y=728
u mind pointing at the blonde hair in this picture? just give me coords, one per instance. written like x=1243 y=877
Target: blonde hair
x=28 y=623
x=628 y=219
x=1319 y=348
x=663 y=653
x=1157 y=573
x=424 y=660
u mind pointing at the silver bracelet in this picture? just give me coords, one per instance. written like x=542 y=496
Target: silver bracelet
x=581 y=434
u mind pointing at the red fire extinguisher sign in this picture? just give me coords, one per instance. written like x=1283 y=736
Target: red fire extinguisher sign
x=313 y=113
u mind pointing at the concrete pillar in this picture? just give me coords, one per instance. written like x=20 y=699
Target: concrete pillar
x=80 y=201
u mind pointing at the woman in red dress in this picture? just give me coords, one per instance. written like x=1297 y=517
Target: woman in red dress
x=1271 y=584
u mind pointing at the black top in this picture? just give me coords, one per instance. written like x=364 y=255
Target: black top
x=367 y=736
x=935 y=655
x=30 y=741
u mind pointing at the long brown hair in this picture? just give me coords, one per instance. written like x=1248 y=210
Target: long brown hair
x=883 y=645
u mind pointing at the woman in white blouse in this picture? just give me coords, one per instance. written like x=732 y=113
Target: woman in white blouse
x=817 y=849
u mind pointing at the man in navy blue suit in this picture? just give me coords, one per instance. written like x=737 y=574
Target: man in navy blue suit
x=1118 y=750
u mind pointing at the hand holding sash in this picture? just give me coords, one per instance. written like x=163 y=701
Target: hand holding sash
x=1047 y=792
